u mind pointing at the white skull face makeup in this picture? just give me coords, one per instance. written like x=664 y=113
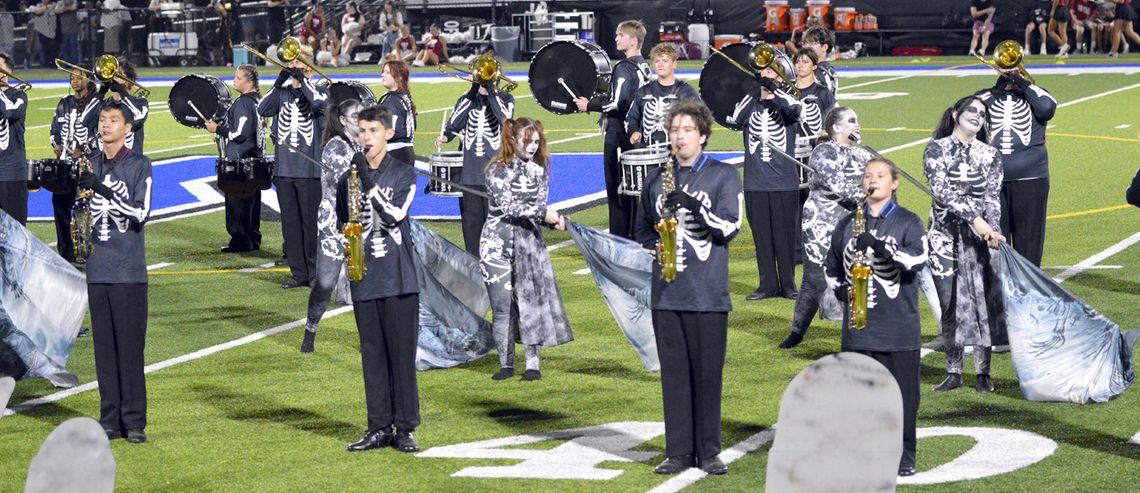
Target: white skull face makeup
x=526 y=148
x=349 y=120
x=971 y=119
x=848 y=125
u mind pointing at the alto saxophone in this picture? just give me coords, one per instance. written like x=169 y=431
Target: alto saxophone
x=81 y=223
x=667 y=225
x=860 y=274
x=354 y=230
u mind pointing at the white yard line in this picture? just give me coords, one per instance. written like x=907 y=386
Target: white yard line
x=1100 y=95
x=1098 y=258
x=159 y=265
x=255 y=269
x=690 y=476
x=580 y=137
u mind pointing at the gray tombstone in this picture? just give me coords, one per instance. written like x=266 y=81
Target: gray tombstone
x=7 y=386
x=76 y=457
x=839 y=429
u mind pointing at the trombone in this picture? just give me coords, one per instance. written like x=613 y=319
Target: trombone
x=1007 y=56
x=23 y=85
x=106 y=69
x=288 y=49
x=760 y=57
x=484 y=69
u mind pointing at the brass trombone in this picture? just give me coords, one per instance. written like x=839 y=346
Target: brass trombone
x=106 y=69
x=484 y=69
x=288 y=49
x=760 y=57
x=1007 y=56
x=23 y=85
x=69 y=67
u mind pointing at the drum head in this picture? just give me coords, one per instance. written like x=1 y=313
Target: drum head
x=584 y=68
x=723 y=85
x=208 y=93
x=350 y=89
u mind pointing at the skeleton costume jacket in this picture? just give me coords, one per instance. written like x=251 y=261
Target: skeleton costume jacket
x=513 y=256
x=838 y=179
x=702 y=236
x=825 y=74
x=817 y=101
x=13 y=157
x=629 y=75
x=298 y=120
x=138 y=110
x=337 y=155
x=388 y=253
x=648 y=107
x=772 y=121
x=243 y=132
x=892 y=294
x=73 y=124
x=403 y=120
x=1017 y=122
x=478 y=120
x=118 y=255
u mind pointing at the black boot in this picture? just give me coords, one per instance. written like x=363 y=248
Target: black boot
x=504 y=373
x=952 y=381
x=307 y=342
x=985 y=384
x=793 y=340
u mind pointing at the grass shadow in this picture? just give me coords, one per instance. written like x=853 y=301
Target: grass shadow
x=1096 y=280
x=249 y=407
x=598 y=367
x=509 y=414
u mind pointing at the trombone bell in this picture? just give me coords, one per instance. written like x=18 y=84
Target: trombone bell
x=288 y=50
x=484 y=69
x=763 y=56
x=1008 y=56
x=107 y=69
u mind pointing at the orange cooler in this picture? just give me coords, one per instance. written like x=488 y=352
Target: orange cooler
x=726 y=39
x=844 y=18
x=797 y=18
x=777 y=11
x=819 y=8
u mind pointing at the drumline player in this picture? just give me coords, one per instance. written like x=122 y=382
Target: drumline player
x=72 y=128
x=398 y=100
x=645 y=122
x=817 y=101
x=244 y=135
x=139 y=107
x=13 y=159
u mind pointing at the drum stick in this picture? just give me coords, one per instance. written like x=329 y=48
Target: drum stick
x=457 y=186
x=306 y=156
x=564 y=86
x=442 y=128
x=199 y=113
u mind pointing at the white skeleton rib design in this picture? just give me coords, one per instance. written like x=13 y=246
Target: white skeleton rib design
x=763 y=127
x=811 y=117
x=104 y=214
x=1010 y=116
x=690 y=233
x=480 y=133
x=293 y=126
x=886 y=273
x=371 y=222
x=5 y=137
x=653 y=117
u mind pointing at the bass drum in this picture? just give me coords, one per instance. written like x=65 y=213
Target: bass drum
x=350 y=89
x=583 y=67
x=207 y=93
x=723 y=84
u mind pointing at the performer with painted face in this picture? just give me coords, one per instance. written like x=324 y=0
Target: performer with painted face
x=478 y=117
x=817 y=101
x=71 y=128
x=244 y=135
x=398 y=100
x=13 y=156
x=835 y=189
x=340 y=145
x=1019 y=113
x=386 y=301
x=894 y=244
x=629 y=74
x=965 y=175
x=768 y=116
x=297 y=106
x=690 y=313
x=526 y=304
x=116 y=273
x=139 y=107
x=645 y=122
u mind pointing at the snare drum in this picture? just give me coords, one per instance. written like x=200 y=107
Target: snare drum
x=637 y=163
x=33 y=175
x=447 y=165
x=56 y=175
x=244 y=176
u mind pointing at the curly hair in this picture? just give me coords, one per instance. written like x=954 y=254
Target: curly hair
x=513 y=129
x=695 y=109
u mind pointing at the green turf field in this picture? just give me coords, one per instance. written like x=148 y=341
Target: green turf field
x=263 y=417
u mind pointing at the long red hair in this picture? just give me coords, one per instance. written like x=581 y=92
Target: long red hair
x=513 y=129
x=399 y=71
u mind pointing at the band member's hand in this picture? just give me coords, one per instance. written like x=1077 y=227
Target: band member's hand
x=360 y=161
x=298 y=74
x=1016 y=77
x=864 y=241
x=555 y=220
x=282 y=78
x=473 y=91
x=635 y=138
x=212 y=126
x=58 y=150
x=768 y=84
x=484 y=91
x=841 y=294
x=441 y=140
x=677 y=198
x=89 y=180
x=582 y=104
x=987 y=233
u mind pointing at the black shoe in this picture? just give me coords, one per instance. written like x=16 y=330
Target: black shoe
x=531 y=375
x=136 y=436
x=793 y=340
x=714 y=466
x=905 y=471
x=83 y=332
x=405 y=442
x=307 y=342
x=953 y=381
x=371 y=440
x=790 y=294
x=504 y=373
x=985 y=384
x=113 y=434
x=674 y=465
x=293 y=283
x=936 y=344
x=760 y=295
x=235 y=249
x=279 y=263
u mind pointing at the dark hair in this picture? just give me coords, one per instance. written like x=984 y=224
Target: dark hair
x=7 y=59
x=113 y=105
x=947 y=122
x=511 y=130
x=830 y=121
x=809 y=54
x=250 y=72
x=399 y=70
x=820 y=35
x=695 y=109
x=128 y=69
x=333 y=126
x=376 y=113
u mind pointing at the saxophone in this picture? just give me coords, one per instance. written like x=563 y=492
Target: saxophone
x=860 y=274
x=81 y=223
x=667 y=225
x=354 y=230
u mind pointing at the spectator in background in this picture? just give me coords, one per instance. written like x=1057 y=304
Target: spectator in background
x=68 y=13
x=313 y=26
x=793 y=45
x=330 y=54
x=1122 y=25
x=88 y=30
x=1058 y=30
x=983 y=13
x=390 y=22
x=1084 y=12
x=112 y=22
x=404 y=48
x=435 y=49
x=44 y=24
x=277 y=12
x=7 y=25
x=1038 y=21
x=352 y=25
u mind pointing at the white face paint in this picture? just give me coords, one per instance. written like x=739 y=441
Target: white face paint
x=971 y=119
x=526 y=148
x=349 y=120
x=848 y=126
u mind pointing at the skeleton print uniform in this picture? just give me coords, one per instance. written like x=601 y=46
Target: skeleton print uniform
x=648 y=108
x=71 y=127
x=816 y=101
x=629 y=74
x=404 y=123
x=1017 y=123
x=118 y=256
x=138 y=109
x=478 y=121
x=13 y=157
x=298 y=119
x=966 y=180
x=825 y=74
x=516 y=267
x=337 y=155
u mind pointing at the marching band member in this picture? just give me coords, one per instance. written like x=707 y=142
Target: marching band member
x=340 y=144
x=71 y=128
x=821 y=41
x=386 y=301
x=771 y=184
x=298 y=109
x=645 y=122
x=817 y=101
x=629 y=74
x=513 y=259
x=244 y=134
x=835 y=189
x=398 y=100
x=894 y=243
x=116 y=273
x=690 y=314
x=120 y=89
x=965 y=175
x=477 y=118
x=13 y=158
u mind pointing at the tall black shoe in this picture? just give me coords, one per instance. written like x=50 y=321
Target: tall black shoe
x=372 y=440
x=531 y=375
x=985 y=384
x=235 y=249
x=714 y=466
x=793 y=340
x=307 y=342
x=674 y=465
x=760 y=295
x=113 y=434
x=136 y=436
x=405 y=442
x=905 y=471
x=279 y=263
x=293 y=283
x=790 y=294
x=504 y=373
x=952 y=381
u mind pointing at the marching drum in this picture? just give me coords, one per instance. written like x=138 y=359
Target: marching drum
x=244 y=176
x=33 y=176
x=447 y=165
x=635 y=164
x=723 y=84
x=350 y=89
x=56 y=175
x=208 y=94
x=583 y=67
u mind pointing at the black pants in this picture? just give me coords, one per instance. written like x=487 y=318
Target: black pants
x=472 y=214
x=622 y=207
x=14 y=199
x=1023 y=208
x=243 y=220
x=773 y=216
x=388 y=329
x=118 y=330
x=61 y=208
x=299 y=199
x=691 y=347
x=904 y=366
x=800 y=227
